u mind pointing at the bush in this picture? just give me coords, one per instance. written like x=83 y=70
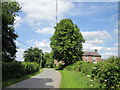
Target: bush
x=16 y=69
x=107 y=73
x=87 y=68
x=81 y=66
x=12 y=69
x=60 y=66
x=31 y=67
x=54 y=65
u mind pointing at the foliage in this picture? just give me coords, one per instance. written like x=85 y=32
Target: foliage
x=31 y=67
x=60 y=67
x=66 y=42
x=87 y=68
x=107 y=73
x=73 y=80
x=33 y=55
x=81 y=66
x=17 y=69
x=12 y=69
x=9 y=12
x=48 y=60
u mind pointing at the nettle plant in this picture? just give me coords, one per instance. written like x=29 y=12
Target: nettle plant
x=107 y=74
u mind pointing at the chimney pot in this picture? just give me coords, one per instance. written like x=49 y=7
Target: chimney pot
x=96 y=50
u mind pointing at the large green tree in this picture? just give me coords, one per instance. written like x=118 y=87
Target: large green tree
x=49 y=61
x=9 y=12
x=33 y=55
x=66 y=42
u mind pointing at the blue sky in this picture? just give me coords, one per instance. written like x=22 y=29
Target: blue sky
x=98 y=22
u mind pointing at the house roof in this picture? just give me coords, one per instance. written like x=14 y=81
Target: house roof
x=96 y=54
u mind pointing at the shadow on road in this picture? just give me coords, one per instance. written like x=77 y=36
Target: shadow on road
x=31 y=83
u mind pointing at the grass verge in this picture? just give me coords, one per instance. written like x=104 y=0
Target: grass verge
x=73 y=80
x=13 y=81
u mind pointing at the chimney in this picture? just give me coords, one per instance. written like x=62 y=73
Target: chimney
x=96 y=50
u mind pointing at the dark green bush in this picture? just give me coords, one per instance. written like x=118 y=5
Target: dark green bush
x=107 y=73
x=54 y=65
x=12 y=69
x=60 y=66
x=81 y=66
x=87 y=68
x=16 y=69
x=31 y=67
x=75 y=67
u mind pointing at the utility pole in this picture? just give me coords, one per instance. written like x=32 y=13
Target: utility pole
x=40 y=60
x=56 y=11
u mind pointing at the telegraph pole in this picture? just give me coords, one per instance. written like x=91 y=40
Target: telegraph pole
x=56 y=11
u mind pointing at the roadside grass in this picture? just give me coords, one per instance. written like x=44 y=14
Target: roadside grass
x=74 y=80
x=13 y=81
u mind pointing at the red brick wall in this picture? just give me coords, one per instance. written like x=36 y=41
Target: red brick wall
x=56 y=62
x=90 y=58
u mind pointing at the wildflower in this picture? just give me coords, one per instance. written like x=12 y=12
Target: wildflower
x=91 y=85
x=91 y=80
x=88 y=75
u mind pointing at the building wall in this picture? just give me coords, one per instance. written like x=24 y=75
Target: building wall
x=91 y=59
x=57 y=63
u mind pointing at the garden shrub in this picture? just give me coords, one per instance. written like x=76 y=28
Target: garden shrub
x=75 y=67
x=54 y=65
x=12 y=69
x=81 y=66
x=87 y=68
x=16 y=69
x=31 y=67
x=107 y=73
x=60 y=66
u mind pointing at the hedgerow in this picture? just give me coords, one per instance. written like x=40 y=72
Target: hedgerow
x=107 y=73
x=16 y=69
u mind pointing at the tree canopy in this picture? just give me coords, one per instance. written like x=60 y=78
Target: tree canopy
x=66 y=42
x=33 y=55
x=9 y=12
x=48 y=60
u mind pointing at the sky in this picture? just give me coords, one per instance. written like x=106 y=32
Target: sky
x=97 y=21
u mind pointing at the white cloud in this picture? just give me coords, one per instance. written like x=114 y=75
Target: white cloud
x=19 y=55
x=17 y=21
x=99 y=35
x=47 y=30
x=95 y=41
x=29 y=41
x=91 y=47
x=44 y=45
x=44 y=10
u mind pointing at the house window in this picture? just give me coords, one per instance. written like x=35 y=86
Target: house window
x=86 y=60
x=86 y=57
x=94 y=61
x=94 y=58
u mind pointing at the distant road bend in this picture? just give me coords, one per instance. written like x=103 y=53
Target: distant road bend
x=49 y=78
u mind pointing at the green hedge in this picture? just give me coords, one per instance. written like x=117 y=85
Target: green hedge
x=81 y=66
x=60 y=67
x=31 y=67
x=17 y=69
x=107 y=73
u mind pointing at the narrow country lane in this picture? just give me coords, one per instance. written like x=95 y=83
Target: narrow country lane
x=49 y=78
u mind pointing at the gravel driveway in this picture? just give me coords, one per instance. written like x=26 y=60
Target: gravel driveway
x=49 y=78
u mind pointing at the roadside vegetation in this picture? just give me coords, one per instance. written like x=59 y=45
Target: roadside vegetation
x=104 y=74
x=66 y=44
x=71 y=79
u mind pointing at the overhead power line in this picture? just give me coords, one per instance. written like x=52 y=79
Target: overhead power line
x=24 y=43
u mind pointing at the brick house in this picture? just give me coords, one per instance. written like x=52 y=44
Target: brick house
x=91 y=56
x=87 y=57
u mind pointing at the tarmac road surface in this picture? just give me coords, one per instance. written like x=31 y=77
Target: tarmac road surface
x=49 y=78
